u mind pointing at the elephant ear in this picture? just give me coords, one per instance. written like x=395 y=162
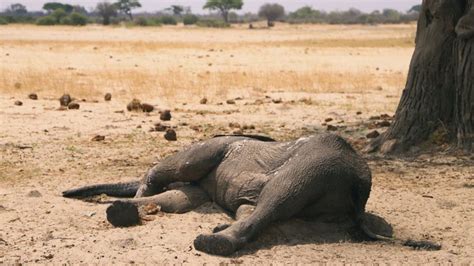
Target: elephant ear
x=465 y=26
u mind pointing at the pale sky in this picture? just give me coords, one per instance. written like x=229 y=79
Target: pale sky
x=250 y=5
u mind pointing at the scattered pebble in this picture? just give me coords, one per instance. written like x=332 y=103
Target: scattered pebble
x=230 y=101
x=33 y=96
x=203 y=101
x=108 y=97
x=358 y=113
x=327 y=120
x=373 y=134
x=18 y=103
x=65 y=100
x=73 y=106
x=170 y=135
x=277 y=101
x=165 y=115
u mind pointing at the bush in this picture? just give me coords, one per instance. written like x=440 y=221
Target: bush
x=168 y=20
x=77 y=19
x=141 y=21
x=46 y=21
x=190 y=19
x=212 y=23
x=3 y=21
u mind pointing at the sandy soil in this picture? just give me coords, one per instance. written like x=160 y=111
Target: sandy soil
x=45 y=150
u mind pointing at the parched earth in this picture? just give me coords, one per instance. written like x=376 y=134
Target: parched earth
x=45 y=150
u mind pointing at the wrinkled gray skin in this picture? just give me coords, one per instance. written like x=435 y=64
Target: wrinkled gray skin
x=320 y=176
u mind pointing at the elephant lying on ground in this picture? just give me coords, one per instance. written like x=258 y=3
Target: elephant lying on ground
x=258 y=180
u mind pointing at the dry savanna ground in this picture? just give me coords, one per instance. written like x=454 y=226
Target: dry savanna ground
x=286 y=82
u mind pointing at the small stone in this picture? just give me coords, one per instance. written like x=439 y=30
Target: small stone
x=277 y=101
x=358 y=113
x=230 y=101
x=33 y=96
x=98 y=138
x=108 y=97
x=18 y=103
x=65 y=100
x=73 y=106
x=34 y=194
x=165 y=115
x=147 y=108
x=373 y=134
x=203 y=101
x=134 y=105
x=327 y=120
x=170 y=135
x=331 y=128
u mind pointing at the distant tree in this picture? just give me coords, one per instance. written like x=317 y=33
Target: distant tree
x=307 y=14
x=106 y=10
x=271 y=12
x=52 y=6
x=58 y=15
x=224 y=6
x=415 y=8
x=126 y=6
x=177 y=10
x=190 y=19
x=391 y=15
x=79 y=9
x=16 y=10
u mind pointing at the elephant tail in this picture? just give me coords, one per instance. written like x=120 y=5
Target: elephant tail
x=128 y=189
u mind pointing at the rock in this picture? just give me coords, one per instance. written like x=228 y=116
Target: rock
x=170 y=135
x=327 y=120
x=33 y=96
x=147 y=108
x=373 y=134
x=383 y=123
x=18 y=103
x=108 y=97
x=203 y=101
x=331 y=128
x=165 y=115
x=230 y=101
x=73 y=106
x=134 y=105
x=358 y=113
x=34 y=194
x=98 y=138
x=65 y=100
x=277 y=101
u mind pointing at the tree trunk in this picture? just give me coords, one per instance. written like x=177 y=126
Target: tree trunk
x=439 y=93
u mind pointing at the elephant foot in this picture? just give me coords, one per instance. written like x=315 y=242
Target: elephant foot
x=123 y=214
x=216 y=244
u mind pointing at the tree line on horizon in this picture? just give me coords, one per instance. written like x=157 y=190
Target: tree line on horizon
x=223 y=13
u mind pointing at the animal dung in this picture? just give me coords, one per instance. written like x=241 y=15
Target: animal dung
x=134 y=105
x=108 y=97
x=170 y=135
x=123 y=214
x=33 y=96
x=65 y=100
x=73 y=106
x=147 y=108
x=165 y=115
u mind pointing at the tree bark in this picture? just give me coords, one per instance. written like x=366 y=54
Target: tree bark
x=439 y=93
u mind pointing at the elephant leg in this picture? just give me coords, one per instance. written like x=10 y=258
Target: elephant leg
x=282 y=197
x=242 y=212
x=192 y=164
x=181 y=200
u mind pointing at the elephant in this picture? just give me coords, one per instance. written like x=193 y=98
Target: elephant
x=259 y=180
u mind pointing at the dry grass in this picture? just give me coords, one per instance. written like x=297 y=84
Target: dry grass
x=180 y=63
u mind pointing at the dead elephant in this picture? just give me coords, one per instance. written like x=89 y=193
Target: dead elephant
x=258 y=180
